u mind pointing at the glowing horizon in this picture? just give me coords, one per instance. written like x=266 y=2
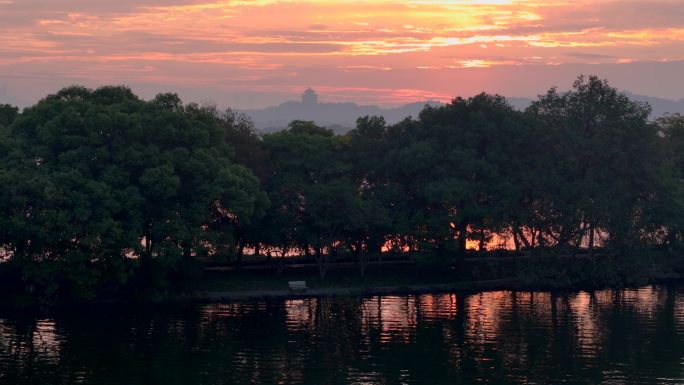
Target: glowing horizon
x=384 y=52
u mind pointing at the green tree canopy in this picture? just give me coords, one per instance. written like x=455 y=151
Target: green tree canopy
x=96 y=177
x=606 y=163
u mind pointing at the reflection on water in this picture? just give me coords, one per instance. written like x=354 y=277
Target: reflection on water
x=612 y=337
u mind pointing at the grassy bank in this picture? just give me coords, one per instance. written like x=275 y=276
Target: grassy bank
x=535 y=272
x=258 y=278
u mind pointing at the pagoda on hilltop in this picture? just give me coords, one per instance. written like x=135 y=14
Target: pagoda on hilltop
x=309 y=97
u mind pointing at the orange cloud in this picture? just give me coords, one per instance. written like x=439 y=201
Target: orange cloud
x=286 y=38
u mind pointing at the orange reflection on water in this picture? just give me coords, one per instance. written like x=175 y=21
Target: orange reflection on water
x=395 y=317
x=46 y=341
x=227 y=310
x=490 y=331
x=438 y=306
x=482 y=325
x=300 y=313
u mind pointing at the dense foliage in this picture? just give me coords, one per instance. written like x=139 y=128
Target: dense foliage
x=99 y=185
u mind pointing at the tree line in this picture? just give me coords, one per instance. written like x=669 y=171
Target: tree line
x=99 y=185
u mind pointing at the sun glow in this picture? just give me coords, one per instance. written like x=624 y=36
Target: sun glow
x=287 y=44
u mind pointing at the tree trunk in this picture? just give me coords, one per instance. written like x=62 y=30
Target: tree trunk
x=362 y=257
x=281 y=260
x=516 y=241
x=462 y=237
x=671 y=240
x=147 y=253
x=481 y=245
x=321 y=261
x=363 y=264
x=591 y=240
x=240 y=252
x=521 y=236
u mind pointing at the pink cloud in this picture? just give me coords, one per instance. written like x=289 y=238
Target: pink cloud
x=385 y=51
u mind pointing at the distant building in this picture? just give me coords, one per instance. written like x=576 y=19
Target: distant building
x=309 y=97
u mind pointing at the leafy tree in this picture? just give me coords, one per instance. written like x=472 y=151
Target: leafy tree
x=238 y=232
x=450 y=168
x=7 y=114
x=606 y=164
x=101 y=176
x=100 y=185
x=369 y=228
x=310 y=190
x=302 y=127
x=671 y=129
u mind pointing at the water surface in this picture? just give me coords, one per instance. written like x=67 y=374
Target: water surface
x=608 y=337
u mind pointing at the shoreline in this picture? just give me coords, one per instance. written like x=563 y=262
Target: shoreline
x=469 y=286
x=506 y=284
x=548 y=274
x=229 y=296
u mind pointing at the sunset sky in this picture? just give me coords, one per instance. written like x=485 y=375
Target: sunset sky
x=256 y=53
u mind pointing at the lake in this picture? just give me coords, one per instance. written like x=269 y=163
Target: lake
x=633 y=336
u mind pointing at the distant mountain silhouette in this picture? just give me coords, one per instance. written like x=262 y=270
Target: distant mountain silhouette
x=341 y=117
x=660 y=106
x=519 y=103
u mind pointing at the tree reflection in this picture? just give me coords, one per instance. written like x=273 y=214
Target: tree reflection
x=627 y=336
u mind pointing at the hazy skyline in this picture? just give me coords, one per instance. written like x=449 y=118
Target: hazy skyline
x=250 y=54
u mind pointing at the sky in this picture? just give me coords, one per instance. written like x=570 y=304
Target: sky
x=255 y=53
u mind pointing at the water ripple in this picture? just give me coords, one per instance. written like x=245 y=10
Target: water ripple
x=632 y=336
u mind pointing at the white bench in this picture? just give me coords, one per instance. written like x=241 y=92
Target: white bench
x=297 y=286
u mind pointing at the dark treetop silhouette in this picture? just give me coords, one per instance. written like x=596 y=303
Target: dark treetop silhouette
x=103 y=190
